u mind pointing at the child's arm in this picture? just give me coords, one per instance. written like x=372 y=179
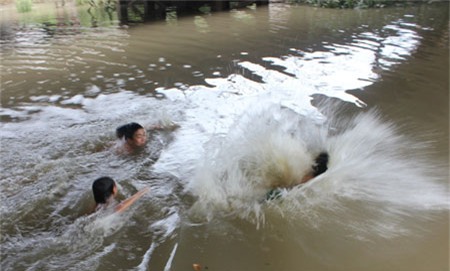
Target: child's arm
x=164 y=125
x=129 y=201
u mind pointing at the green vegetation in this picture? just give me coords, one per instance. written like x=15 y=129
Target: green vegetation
x=95 y=2
x=23 y=5
x=81 y=2
x=346 y=3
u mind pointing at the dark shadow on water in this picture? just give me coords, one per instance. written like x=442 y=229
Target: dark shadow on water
x=131 y=12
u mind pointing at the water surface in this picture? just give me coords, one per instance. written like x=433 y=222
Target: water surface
x=256 y=92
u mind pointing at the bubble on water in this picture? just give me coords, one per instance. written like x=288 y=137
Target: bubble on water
x=39 y=98
x=54 y=98
x=92 y=90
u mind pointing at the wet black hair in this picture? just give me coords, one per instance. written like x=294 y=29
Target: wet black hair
x=103 y=189
x=320 y=165
x=128 y=130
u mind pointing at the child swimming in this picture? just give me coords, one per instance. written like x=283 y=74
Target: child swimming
x=105 y=189
x=133 y=134
x=319 y=167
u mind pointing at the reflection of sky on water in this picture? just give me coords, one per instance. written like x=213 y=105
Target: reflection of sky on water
x=397 y=47
x=342 y=67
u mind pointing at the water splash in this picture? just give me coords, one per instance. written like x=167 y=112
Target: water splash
x=376 y=176
x=163 y=230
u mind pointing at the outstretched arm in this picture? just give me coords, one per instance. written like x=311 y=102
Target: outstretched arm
x=129 y=201
x=164 y=125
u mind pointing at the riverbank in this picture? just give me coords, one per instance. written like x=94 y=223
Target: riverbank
x=318 y=3
x=354 y=3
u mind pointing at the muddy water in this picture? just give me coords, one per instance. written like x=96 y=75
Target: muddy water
x=256 y=94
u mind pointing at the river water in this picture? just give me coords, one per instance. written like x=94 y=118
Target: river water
x=255 y=94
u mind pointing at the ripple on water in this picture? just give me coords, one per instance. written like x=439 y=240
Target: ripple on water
x=235 y=133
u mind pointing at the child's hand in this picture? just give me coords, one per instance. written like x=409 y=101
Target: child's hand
x=155 y=127
x=166 y=124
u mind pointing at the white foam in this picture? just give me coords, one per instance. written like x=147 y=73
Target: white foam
x=371 y=164
x=147 y=257
x=77 y=99
x=168 y=265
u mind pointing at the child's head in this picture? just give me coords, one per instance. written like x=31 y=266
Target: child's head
x=133 y=133
x=103 y=189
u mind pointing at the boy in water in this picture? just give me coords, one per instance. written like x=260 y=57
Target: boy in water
x=133 y=134
x=319 y=167
x=105 y=190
